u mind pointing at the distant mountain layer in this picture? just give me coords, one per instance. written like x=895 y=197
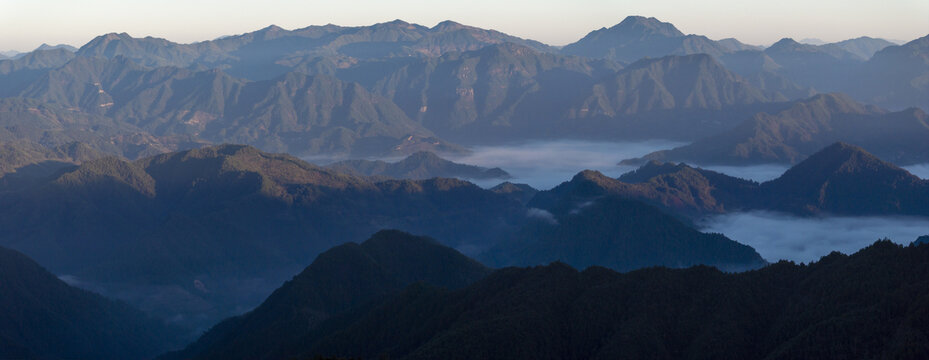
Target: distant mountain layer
x=295 y=113
x=863 y=47
x=418 y=166
x=41 y=317
x=782 y=311
x=638 y=37
x=791 y=135
x=841 y=179
x=343 y=278
x=263 y=54
x=503 y=92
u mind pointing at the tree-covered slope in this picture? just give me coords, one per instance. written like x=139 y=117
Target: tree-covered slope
x=42 y=317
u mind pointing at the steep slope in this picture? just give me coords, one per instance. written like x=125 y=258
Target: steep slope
x=821 y=67
x=42 y=317
x=295 y=113
x=42 y=125
x=499 y=91
x=23 y=163
x=346 y=277
x=840 y=179
x=420 y=165
x=208 y=233
x=674 y=96
x=807 y=126
x=844 y=179
x=677 y=189
x=15 y=74
x=896 y=77
x=638 y=37
x=554 y=312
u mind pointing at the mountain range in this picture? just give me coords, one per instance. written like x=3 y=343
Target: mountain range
x=396 y=88
x=186 y=227
x=120 y=173
x=263 y=54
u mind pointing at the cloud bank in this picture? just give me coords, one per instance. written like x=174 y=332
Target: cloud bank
x=778 y=236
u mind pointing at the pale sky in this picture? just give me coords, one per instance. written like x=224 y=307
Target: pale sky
x=25 y=24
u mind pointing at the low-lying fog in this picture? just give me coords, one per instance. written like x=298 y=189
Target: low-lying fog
x=545 y=164
x=778 y=236
x=921 y=170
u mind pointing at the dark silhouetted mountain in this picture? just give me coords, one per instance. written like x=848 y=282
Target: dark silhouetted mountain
x=204 y=234
x=791 y=135
x=296 y=113
x=638 y=37
x=555 y=312
x=616 y=233
x=341 y=279
x=841 y=179
x=41 y=317
x=844 y=179
x=677 y=189
x=922 y=240
x=418 y=166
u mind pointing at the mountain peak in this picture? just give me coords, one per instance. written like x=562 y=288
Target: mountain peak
x=272 y=28
x=646 y=26
x=844 y=150
x=788 y=44
x=397 y=22
x=115 y=36
x=840 y=157
x=846 y=179
x=650 y=170
x=447 y=25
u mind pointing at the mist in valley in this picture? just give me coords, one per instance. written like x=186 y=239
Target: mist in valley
x=545 y=164
x=921 y=170
x=785 y=237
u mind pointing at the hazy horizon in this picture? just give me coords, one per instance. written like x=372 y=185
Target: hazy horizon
x=28 y=24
